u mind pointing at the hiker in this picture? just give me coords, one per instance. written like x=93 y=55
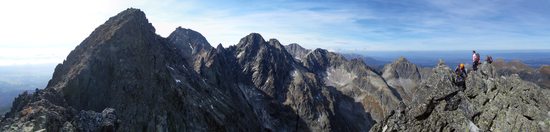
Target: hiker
x=461 y=75
x=475 y=59
x=489 y=59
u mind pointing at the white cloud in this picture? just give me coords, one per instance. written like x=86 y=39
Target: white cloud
x=37 y=31
x=33 y=28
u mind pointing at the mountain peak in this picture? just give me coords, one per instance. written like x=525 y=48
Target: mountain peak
x=131 y=16
x=275 y=43
x=297 y=51
x=402 y=60
x=295 y=45
x=254 y=35
x=132 y=11
x=251 y=39
x=403 y=76
x=189 y=38
x=183 y=32
x=220 y=46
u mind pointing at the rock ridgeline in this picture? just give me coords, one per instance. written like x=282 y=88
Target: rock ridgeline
x=540 y=76
x=124 y=77
x=403 y=76
x=487 y=103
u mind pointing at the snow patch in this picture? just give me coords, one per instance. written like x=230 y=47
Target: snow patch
x=338 y=77
x=240 y=54
x=295 y=73
x=360 y=98
x=192 y=49
x=170 y=68
x=472 y=127
x=177 y=80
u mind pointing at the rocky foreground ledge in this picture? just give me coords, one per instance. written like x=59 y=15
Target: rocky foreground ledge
x=488 y=103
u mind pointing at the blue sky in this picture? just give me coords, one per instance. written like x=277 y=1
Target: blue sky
x=46 y=31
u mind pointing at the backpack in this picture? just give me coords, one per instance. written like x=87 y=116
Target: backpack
x=460 y=74
x=477 y=56
x=489 y=59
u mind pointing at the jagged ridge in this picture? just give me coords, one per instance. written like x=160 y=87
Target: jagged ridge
x=488 y=103
x=124 y=77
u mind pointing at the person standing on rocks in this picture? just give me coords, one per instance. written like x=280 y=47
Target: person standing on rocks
x=461 y=75
x=475 y=59
x=489 y=59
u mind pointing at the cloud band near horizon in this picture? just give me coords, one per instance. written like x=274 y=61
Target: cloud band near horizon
x=355 y=25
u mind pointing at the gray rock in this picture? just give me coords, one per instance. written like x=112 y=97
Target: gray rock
x=90 y=121
x=404 y=77
x=540 y=76
x=297 y=51
x=124 y=65
x=489 y=103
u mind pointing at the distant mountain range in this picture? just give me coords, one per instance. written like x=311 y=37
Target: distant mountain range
x=532 y=58
x=124 y=77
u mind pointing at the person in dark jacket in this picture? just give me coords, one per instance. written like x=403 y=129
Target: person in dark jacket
x=461 y=75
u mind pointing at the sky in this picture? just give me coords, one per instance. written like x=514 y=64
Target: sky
x=38 y=31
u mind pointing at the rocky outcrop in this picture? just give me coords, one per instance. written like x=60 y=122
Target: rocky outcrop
x=404 y=77
x=124 y=77
x=377 y=65
x=544 y=80
x=191 y=45
x=42 y=110
x=540 y=76
x=297 y=51
x=354 y=79
x=293 y=97
x=487 y=103
x=123 y=65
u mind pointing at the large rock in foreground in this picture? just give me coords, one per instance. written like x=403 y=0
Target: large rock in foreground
x=488 y=103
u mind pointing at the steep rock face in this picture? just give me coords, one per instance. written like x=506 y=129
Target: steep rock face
x=191 y=45
x=544 y=80
x=354 y=79
x=377 y=65
x=288 y=97
x=266 y=63
x=539 y=76
x=124 y=66
x=488 y=103
x=297 y=51
x=403 y=76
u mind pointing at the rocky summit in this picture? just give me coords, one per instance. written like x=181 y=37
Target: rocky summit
x=487 y=103
x=125 y=77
